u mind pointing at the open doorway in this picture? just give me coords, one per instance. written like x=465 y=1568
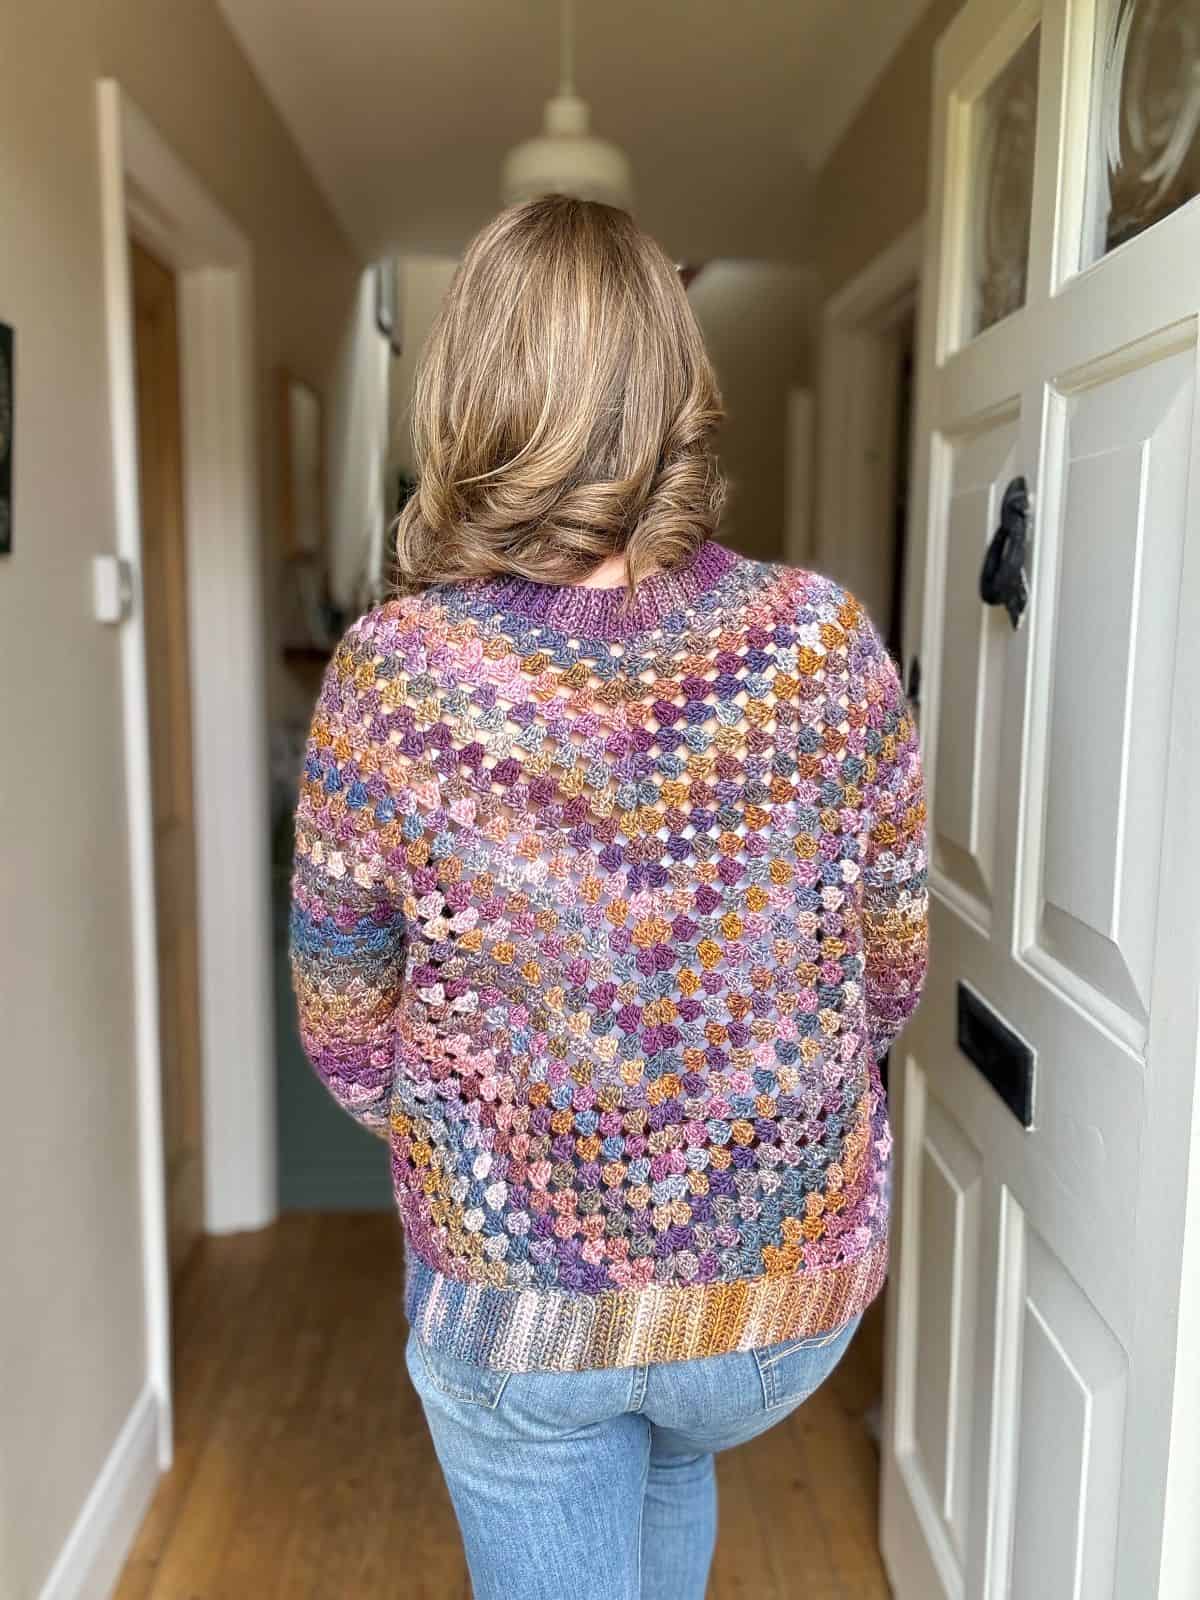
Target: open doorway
x=901 y=389
x=178 y=301
x=169 y=698
x=865 y=423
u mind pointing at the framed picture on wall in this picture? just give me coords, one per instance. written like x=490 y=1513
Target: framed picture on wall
x=302 y=491
x=6 y=437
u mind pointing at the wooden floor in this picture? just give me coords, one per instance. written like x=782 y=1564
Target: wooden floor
x=303 y=1469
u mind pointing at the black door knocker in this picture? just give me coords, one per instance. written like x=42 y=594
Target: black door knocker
x=1002 y=581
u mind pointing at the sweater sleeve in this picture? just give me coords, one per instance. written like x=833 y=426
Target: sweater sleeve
x=347 y=930
x=895 y=892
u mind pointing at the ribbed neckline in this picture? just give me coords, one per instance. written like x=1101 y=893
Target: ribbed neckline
x=590 y=612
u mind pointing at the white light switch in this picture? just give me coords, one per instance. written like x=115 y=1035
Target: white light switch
x=112 y=589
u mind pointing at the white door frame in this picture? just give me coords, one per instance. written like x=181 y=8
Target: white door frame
x=855 y=323
x=146 y=191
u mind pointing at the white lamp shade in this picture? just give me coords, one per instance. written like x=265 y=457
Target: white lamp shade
x=566 y=159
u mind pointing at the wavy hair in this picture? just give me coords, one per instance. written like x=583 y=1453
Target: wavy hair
x=565 y=407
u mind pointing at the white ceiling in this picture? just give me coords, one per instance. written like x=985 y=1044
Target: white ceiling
x=403 y=110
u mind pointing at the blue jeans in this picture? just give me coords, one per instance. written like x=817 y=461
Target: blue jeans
x=600 y=1485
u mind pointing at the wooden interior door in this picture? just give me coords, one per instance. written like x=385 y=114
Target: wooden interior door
x=165 y=601
x=1034 y=1415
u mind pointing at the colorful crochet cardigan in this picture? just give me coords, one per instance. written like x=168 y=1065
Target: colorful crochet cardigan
x=603 y=914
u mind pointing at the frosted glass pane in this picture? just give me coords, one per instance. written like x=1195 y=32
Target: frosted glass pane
x=1004 y=133
x=1145 y=146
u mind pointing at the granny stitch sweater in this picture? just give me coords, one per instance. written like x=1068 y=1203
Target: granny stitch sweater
x=603 y=915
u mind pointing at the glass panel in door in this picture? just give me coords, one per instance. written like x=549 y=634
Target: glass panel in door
x=1145 y=146
x=1003 y=135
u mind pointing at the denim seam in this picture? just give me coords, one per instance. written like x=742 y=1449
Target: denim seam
x=816 y=1342
x=637 y=1389
x=765 y=1380
x=642 y=1501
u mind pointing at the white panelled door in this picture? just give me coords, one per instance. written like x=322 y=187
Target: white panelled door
x=1036 y=1436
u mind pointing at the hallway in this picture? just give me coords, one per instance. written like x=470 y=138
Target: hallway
x=303 y=1468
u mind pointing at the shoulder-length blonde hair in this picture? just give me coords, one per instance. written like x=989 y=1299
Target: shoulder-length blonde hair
x=565 y=407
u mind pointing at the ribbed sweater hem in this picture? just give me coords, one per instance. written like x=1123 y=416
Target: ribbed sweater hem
x=529 y=1330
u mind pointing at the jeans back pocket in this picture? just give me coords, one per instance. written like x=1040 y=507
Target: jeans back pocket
x=452 y=1377
x=794 y=1369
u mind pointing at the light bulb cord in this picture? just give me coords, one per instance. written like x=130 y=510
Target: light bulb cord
x=566 y=63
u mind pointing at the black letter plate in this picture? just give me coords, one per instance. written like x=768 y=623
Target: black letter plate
x=1003 y=1058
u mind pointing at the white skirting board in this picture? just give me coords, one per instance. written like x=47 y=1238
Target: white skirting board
x=90 y=1561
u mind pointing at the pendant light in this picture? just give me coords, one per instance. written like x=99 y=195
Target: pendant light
x=565 y=158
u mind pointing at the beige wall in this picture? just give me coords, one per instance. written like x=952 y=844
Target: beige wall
x=757 y=319
x=71 y=1330
x=872 y=187
x=422 y=285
